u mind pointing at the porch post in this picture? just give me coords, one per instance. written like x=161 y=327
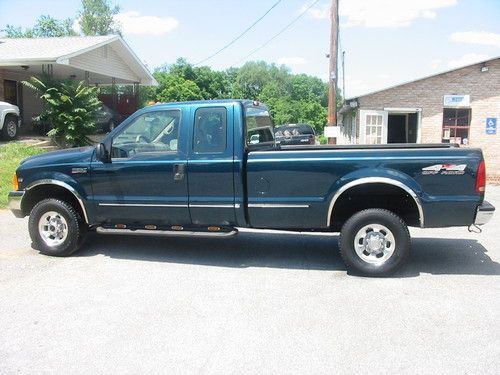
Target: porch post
x=113 y=93
x=136 y=95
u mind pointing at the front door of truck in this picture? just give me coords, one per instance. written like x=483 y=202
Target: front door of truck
x=146 y=182
x=211 y=166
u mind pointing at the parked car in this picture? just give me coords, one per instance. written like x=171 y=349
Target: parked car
x=10 y=121
x=197 y=169
x=295 y=134
x=107 y=119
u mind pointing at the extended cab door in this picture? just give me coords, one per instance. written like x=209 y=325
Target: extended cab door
x=211 y=165
x=146 y=181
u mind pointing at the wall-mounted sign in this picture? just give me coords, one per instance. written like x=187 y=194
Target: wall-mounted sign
x=491 y=125
x=456 y=100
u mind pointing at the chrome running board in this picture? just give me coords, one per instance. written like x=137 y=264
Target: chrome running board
x=146 y=232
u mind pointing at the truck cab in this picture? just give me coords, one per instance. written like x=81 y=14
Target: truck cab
x=178 y=164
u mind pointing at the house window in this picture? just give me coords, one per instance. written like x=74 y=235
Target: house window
x=373 y=129
x=456 y=125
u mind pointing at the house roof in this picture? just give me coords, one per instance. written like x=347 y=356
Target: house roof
x=422 y=78
x=59 y=50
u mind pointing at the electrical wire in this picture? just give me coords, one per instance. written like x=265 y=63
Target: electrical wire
x=239 y=36
x=278 y=34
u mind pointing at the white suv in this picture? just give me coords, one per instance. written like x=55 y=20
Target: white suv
x=10 y=121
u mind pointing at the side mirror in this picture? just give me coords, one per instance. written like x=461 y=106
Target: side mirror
x=102 y=153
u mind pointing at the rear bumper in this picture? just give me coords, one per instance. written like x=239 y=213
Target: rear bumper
x=484 y=213
x=15 y=198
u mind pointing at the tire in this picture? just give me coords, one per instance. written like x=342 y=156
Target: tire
x=55 y=228
x=374 y=242
x=9 y=129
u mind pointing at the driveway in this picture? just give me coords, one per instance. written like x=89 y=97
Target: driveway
x=256 y=303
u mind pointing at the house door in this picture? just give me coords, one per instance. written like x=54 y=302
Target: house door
x=373 y=127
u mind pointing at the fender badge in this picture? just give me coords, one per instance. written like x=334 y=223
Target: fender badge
x=78 y=170
x=444 y=169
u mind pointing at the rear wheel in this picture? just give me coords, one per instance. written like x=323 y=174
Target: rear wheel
x=55 y=228
x=9 y=129
x=374 y=242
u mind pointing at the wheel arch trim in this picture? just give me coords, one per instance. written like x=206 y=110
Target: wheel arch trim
x=64 y=185
x=376 y=180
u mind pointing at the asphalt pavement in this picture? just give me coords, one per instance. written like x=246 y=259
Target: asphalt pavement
x=257 y=303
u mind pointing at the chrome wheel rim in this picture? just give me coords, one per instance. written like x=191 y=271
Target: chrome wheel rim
x=11 y=129
x=374 y=244
x=53 y=228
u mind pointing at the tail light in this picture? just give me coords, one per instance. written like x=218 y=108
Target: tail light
x=312 y=140
x=481 y=178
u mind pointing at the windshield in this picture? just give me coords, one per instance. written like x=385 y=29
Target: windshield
x=259 y=126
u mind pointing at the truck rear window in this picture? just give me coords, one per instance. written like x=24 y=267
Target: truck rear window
x=259 y=126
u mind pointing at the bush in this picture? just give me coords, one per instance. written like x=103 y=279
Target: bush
x=69 y=107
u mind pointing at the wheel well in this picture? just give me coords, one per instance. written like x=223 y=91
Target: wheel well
x=41 y=192
x=375 y=195
x=9 y=115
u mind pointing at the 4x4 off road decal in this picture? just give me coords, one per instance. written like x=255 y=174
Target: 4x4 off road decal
x=447 y=169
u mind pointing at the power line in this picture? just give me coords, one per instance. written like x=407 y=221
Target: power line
x=278 y=34
x=239 y=36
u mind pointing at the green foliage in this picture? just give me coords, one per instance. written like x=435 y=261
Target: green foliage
x=173 y=88
x=70 y=107
x=181 y=81
x=96 y=18
x=45 y=27
x=292 y=98
x=10 y=155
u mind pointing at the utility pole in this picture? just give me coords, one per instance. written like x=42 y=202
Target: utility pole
x=332 y=77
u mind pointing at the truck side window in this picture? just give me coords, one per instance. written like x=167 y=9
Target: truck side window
x=259 y=127
x=150 y=132
x=210 y=128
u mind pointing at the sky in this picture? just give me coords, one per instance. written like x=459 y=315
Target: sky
x=386 y=42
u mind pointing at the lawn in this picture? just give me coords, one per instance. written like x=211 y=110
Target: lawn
x=10 y=156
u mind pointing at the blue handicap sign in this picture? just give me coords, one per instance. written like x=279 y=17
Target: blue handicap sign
x=491 y=125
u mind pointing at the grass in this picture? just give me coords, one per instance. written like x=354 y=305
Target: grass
x=11 y=155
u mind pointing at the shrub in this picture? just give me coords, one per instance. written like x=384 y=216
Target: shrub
x=69 y=107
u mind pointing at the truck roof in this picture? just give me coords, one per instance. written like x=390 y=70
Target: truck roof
x=244 y=102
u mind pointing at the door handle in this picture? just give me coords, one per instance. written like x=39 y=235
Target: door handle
x=179 y=170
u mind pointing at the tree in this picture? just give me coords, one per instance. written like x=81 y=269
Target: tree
x=96 y=18
x=69 y=107
x=45 y=27
x=292 y=98
x=172 y=88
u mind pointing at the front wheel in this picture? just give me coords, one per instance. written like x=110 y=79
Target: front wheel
x=9 y=130
x=55 y=228
x=374 y=242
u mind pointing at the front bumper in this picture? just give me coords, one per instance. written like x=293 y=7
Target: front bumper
x=15 y=198
x=484 y=213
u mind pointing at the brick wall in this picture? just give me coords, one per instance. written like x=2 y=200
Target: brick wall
x=484 y=91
